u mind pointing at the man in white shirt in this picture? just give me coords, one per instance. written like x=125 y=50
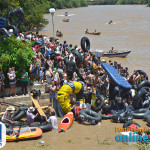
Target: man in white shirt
x=53 y=121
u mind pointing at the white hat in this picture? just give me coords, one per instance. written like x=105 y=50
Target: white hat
x=10 y=30
x=31 y=109
x=11 y=108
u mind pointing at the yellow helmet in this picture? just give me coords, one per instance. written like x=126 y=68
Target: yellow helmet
x=106 y=101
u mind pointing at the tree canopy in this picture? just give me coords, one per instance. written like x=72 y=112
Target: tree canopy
x=35 y=9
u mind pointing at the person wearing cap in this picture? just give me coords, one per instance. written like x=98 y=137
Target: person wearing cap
x=7 y=118
x=115 y=65
x=75 y=109
x=106 y=109
x=30 y=115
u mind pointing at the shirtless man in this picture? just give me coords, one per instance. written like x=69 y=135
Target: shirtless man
x=97 y=80
x=89 y=78
x=112 y=50
x=50 y=109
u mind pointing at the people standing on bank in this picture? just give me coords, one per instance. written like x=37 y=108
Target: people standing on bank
x=12 y=81
x=52 y=92
x=24 y=81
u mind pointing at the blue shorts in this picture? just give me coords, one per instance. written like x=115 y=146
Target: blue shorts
x=51 y=96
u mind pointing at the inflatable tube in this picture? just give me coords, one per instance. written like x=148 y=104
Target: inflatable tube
x=137 y=98
x=40 y=118
x=16 y=112
x=146 y=115
x=15 y=30
x=19 y=116
x=77 y=56
x=148 y=120
x=85 y=41
x=23 y=108
x=15 y=125
x=18 y=13
x=141 y=72
x=118 y=118
x=4 y=32
x=45 y=126
x=145 y=83
x=65 y=91
x=116 y=77
x=139 y=114
x=127 y=124
x=105 y=117
x=90 y=116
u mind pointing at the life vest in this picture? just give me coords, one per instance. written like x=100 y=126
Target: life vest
x=77 y=109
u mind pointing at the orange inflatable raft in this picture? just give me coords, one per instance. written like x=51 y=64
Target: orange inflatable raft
x=25 y=133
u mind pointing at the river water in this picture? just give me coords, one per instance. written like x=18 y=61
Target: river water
x=130 y=31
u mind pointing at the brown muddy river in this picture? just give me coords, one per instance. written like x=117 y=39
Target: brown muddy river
x=130 y=31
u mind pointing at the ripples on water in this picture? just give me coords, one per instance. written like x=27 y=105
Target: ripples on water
x=130 y=31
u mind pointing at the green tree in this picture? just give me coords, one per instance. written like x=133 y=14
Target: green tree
x=15 y=53
x=148 y=3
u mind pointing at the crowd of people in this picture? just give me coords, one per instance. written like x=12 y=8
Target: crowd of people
x=55 y=63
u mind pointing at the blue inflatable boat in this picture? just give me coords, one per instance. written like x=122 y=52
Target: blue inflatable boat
x=116 y=77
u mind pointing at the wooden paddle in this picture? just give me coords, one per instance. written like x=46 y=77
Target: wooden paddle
x=38 y=107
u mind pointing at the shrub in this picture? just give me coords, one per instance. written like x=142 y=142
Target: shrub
x=15 y=53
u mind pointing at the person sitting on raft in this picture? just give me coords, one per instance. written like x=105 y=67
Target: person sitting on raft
x=53 y=120
x=106 y=109
x=75 y=109
x=126 y=108
x=7 y=118
x=30 y=115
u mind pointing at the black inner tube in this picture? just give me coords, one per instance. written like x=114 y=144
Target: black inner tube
x=19 y=13
x=4 y=32
x=90 y=116
x=85 y=44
